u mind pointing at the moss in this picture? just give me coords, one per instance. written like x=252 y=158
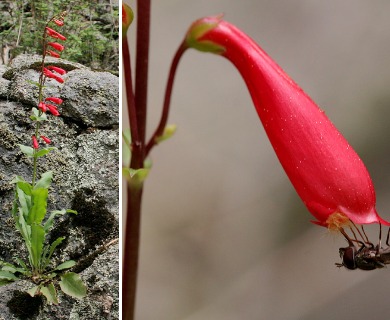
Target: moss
x=23 y=306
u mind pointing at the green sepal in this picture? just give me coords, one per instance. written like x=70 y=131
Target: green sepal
x=198 y=29
x=72 y=285
x=50 y=293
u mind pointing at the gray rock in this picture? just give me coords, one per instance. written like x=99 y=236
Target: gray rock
x=85 y=165
x=90 y=99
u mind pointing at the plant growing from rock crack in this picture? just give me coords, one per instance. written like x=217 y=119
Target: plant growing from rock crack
x=30 y=203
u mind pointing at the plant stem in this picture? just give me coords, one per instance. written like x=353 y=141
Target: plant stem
x=130 y=261
x=142 y=65
x=167 y=100
x=137 y=112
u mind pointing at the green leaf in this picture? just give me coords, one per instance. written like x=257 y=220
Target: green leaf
x=50 y=293
x=21 y=263
x=66 y=265
x=28 y=151
x=72 y=285
x=53 y=246
x=24 y=229
x=135 y=176
x=49 y=222
x=38 y=117
x=33 y=291
x=126 y=147
x=37 y=240
x=22 y=184
x=43 y=152
x=4 y=282
x=39 y=204
x=12 y=269
x=45 y=180
x=24 y=201
x=5 y=275
x=33 y=82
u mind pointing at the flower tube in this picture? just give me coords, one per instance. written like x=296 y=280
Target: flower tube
x=326 y=172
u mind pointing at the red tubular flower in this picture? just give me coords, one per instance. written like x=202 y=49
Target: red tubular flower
x=57 y=69
x=35 y=142
x=54 y=34
x=57 y=46
x=51 y=75
x=326 y=172
x=42 y=106
x=46 y=139
x=54 y=99
x=53 y=110
x=52 y=53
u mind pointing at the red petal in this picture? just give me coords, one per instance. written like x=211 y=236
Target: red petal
x=53 y=110
x=56 y=46
x=52 y=53
x=46 y=139
x=54 y=99
x=326 y=172
x=54 y=34
x=57 y=69
x=42 y=106
x=35 y=142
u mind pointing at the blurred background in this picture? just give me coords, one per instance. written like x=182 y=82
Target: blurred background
x=224 y=235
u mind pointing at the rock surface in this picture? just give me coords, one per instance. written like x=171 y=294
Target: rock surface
x=85 y=165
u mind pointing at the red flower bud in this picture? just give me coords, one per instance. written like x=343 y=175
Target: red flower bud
x=57 y=69
x=56 y=46
x=52 y=53
x=53 y=110
x=35 y=142
x=59 y=23
x=54 y=99
x=46 y=139
x=54 y=34
x=127 y=18
x=42 y=106
x=326 y=172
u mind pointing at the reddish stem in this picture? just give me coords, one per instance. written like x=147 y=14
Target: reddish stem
x=167 y=99
x=137 y=113
x=142 y=64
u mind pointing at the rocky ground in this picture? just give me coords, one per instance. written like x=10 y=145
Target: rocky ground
x=85 y=165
